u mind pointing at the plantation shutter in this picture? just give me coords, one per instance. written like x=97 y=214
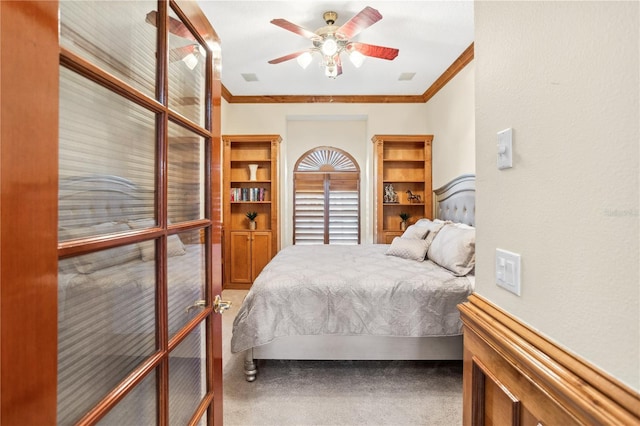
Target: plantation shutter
x=326 y=198
x=344 y=210
x=309 y=209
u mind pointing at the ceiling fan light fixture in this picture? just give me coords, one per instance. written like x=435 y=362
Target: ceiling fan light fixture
x=191 y=61
x=329 y=46
x=304 y=60
x=331 y=41
x=331 y=71
x=356 y=58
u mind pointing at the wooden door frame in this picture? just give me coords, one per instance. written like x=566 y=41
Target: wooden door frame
x=28 y=211
x=29 y=88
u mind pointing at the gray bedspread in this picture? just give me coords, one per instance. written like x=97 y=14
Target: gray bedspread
x=348 y=290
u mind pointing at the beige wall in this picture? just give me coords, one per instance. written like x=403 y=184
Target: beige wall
x=450 y=116
x=377 y=119
x=565 y=77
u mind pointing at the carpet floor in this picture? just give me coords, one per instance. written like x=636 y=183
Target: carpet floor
x=338 y=392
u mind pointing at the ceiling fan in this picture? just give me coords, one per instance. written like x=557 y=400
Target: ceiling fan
x=330 y=41
x=189 y=53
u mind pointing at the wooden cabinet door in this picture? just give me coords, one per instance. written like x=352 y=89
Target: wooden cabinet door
x=260 y=251
x=250 y=252
x=389 y=236
x=240 y=267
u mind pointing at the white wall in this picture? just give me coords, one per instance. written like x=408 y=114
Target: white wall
x=275 y=119
x=565 y=77
x=450 y=116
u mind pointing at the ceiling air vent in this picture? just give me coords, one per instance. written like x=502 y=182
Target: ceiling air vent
x=406 y=76
x=250 y=77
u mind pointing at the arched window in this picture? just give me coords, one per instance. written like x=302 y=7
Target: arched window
x=326 y=198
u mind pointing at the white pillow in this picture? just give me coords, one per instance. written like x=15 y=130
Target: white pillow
x=454 y=248
x=148 y=248
x=408 y=248
x=414 y=232
x=92 y=262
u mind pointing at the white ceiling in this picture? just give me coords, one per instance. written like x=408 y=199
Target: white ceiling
x=429 y=34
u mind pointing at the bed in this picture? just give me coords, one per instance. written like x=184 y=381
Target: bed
x=369 y=301
x=107 y=300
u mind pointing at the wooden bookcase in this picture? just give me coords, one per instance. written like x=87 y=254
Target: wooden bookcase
x=403 y=161
x=247 y=251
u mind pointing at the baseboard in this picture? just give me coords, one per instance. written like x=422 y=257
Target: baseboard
x=513 y=375
x=236 y=286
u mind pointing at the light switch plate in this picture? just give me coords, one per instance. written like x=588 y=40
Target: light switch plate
x=508 y=271
x=505 y=149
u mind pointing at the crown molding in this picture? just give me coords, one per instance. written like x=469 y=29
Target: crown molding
x=457 y=65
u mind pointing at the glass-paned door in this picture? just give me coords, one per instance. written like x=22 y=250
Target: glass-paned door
x=136 y=217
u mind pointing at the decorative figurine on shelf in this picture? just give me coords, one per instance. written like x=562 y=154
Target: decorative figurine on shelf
x=252 y=220
x=412 y=198
x=390 y=196
x=404 y=216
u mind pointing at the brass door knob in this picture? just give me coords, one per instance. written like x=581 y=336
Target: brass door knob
x=219 y=306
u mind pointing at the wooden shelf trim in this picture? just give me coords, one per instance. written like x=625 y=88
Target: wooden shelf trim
x=249 y=181
x=403 y=181
x=584 y=391
x=406 y=160
x=250 y=202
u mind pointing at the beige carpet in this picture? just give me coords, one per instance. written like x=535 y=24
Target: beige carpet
x=338 y=392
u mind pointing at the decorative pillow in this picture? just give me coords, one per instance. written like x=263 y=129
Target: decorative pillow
x=461 y=225
x=408 y=248
x=434 y=226
x=454 y=248
x=414 y=232
x=92 y=262
x=148 y=248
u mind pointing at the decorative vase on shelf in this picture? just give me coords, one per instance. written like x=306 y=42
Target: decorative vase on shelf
x=253 y=171
x=403 y=225
x=252 y=225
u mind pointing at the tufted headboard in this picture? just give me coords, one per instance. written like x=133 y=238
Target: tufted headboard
x=456 y=201
x=91 y=200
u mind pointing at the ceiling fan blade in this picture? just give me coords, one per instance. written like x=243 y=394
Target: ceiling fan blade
x=288 y=57
x=374 y=51
x=283 y=23
x=338 y=62
x=181 y=52
x=175 y=26
x=364 y=19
